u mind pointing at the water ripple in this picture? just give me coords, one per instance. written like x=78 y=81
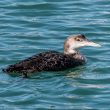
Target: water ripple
x=29 y=27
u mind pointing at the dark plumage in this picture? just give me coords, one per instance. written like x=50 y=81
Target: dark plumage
x=47 y=61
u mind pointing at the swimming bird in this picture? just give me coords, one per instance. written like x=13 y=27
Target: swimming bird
x=53 y=60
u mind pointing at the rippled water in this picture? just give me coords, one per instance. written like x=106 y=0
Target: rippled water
x=32 y=26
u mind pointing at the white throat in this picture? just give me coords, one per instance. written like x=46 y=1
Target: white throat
x=71 y=51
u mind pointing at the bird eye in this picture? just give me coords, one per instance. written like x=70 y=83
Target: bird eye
x=80 y=40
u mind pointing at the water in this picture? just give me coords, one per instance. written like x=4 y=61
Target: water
x=32 y=26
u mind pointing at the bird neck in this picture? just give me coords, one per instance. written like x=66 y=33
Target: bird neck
x=76 y=55
x=69 y=48
x=71 y=51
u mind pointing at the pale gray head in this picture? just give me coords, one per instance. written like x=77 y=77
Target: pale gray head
x=74 y=42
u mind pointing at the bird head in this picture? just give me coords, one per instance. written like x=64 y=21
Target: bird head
x=75 y=42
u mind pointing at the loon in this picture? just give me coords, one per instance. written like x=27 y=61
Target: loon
x=53 y=60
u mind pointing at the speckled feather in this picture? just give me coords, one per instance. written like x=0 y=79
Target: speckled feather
x=46 y=61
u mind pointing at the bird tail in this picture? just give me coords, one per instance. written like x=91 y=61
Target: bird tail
x=9 y=69
x=14 y=69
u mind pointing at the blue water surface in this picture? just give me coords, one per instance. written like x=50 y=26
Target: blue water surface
x=28 y=27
